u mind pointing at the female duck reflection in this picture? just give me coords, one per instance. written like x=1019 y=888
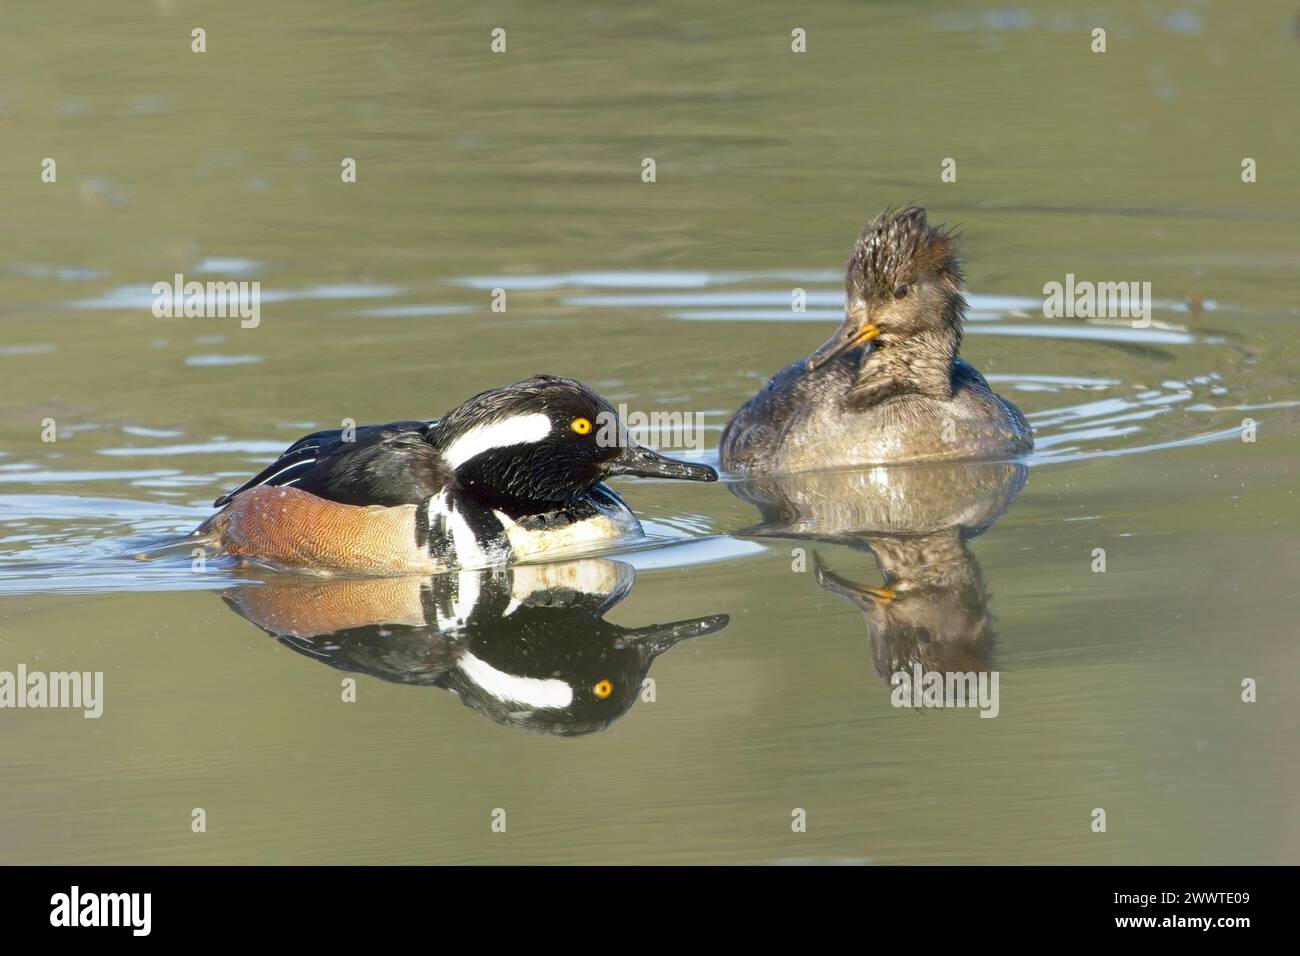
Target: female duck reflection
x=932 y=613
x=527 y=646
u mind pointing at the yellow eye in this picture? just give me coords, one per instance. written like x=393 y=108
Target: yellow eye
x=603 y=689
x=582 y=426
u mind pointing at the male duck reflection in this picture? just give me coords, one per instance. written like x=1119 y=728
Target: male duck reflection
x=932 y=610
x=528 y=646
x=889 y=386
x=513 y=473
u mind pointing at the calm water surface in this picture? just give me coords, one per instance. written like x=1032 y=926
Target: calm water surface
x=1119 y=690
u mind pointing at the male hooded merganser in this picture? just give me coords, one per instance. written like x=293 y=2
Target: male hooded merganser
x=889 y=386
x=513 y=473
x=527 y=646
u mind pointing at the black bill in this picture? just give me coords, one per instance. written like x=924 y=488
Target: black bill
x=636 y=460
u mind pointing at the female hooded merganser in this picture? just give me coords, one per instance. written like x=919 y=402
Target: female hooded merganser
x=513 y=473
x=917 y=522
x=889 y=386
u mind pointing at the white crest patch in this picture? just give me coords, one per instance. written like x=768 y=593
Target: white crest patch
x=531 y=691
x=518 y=430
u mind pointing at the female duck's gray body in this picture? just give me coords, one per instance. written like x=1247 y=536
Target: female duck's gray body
x=889 y=387
x=803 y=420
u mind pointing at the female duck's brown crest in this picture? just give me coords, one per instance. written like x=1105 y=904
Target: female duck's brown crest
x=898 y=248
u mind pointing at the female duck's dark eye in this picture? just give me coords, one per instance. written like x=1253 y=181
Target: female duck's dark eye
x=901 y=290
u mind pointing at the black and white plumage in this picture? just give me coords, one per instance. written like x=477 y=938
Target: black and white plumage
x=391 y=464
x=513 y=472
x=526 y=646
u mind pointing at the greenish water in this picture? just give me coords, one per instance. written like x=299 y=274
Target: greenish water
x=1119 y=690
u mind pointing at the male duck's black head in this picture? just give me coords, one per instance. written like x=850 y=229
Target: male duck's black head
x=903 y=284
x=546 y=440
x=560 y=668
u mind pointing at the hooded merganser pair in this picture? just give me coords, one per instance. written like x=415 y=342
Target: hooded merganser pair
x=889 y=386
x=512 y=473
x=517 y=472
